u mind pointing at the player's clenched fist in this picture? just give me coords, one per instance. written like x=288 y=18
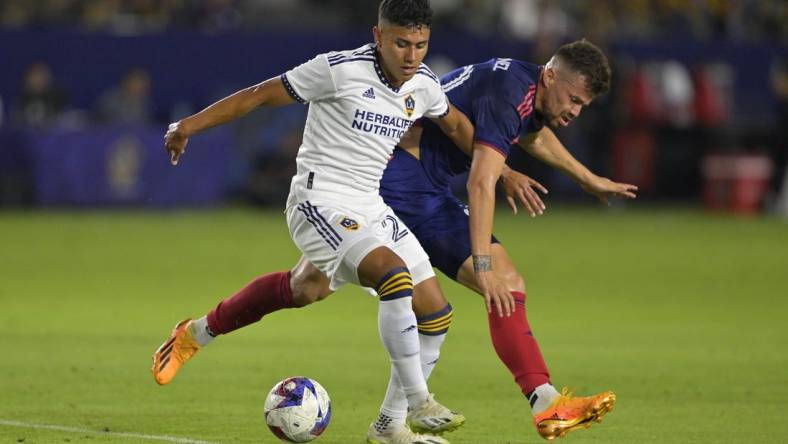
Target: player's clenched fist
x=175 y=141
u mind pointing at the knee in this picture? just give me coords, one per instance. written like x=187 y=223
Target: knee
x=307 y=291
x=428 y=298
x=514 y=281
x=378 y=265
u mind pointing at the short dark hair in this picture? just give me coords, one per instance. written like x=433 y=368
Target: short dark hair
x=406 y=13
x=583 y=57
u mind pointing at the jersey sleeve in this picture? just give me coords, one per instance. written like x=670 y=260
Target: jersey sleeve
x=439 y=103
x=497 y=123
x=310 y=81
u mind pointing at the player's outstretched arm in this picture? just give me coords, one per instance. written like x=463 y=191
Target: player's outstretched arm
x=485 y=170
x=604 y=188
x=458 y=127
x=545 y=146
x=272 y=92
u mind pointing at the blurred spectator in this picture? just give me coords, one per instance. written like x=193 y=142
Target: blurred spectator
x=677 y=93
x=129 y=102
x=525 y=19
x=98 y=15
x=40 y=100
x=714 y=94
x=15 y=13
x=212 y=15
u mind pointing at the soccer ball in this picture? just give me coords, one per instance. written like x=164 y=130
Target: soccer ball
x=297 y=409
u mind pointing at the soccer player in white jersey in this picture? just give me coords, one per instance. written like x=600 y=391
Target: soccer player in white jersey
x=361 y=102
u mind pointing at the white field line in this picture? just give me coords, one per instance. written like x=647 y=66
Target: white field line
x=59 y=428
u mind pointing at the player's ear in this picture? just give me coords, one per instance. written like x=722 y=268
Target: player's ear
x=549 y=76
x=376 y=35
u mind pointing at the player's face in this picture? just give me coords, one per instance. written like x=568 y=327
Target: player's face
x=564 y=98
x=401 y=50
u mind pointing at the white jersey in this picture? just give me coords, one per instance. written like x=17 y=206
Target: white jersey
x=356 y=118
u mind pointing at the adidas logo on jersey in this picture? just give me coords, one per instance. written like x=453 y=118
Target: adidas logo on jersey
x=370 y=93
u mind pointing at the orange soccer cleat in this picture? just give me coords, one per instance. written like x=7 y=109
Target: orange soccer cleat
x=174 y=352
x=568 y=413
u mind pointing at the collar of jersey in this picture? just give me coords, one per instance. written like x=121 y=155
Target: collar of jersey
x=381 y=74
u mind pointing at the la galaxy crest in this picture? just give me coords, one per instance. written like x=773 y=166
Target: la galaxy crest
x=410 y=105
x=349 y=224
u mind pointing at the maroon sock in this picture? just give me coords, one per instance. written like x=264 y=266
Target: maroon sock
x=517 y=347
x=266 y=294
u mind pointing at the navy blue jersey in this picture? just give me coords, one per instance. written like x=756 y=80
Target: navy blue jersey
x=498 y=98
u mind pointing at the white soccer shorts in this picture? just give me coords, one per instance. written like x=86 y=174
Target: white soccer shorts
x=336 y=238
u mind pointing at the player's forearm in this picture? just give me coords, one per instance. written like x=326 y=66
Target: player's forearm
x=485 y=171
x=481 y=205
x=547 y=148
x=459 y=129
x=225 y=110
x=462 y=136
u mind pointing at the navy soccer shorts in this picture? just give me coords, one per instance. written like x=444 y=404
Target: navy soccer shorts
x=434 y=215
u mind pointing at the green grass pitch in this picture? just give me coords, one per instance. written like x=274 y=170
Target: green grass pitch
x=683 y=314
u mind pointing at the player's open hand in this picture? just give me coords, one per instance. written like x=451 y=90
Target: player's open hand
x=175 y=141
x=495 y=292
x=604 y=188
x=519 y=187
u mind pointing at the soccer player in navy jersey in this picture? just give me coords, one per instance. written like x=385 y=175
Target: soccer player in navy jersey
x=510 y=103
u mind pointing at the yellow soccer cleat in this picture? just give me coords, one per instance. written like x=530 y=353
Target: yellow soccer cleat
x=433 y=418
x=568 y=413
x=174 y=352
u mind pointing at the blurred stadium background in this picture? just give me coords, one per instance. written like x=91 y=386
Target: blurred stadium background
x=697 y=113
x=676 y=300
